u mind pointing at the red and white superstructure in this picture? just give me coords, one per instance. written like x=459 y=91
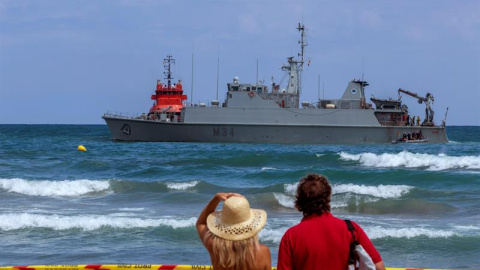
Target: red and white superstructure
x=168 y=98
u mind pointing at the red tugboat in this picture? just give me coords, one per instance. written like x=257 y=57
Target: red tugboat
x=168 y=98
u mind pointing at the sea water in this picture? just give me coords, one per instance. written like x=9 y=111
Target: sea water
x=137 y=203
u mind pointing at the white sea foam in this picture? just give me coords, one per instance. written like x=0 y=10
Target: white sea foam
x=319 y=155
x=68 y=188
x=275 y=235
x=290 y=189
x=467 y=228
x=346 y=199
x=289 y=202
x=338 y=204
x=414 y=160
x=135 y=209
x=127 y=214
x=268 y=169
x=181 y=186
x=378 y=232
x=380 y=191
x=284 y=200
x=86 y=222
x=271 y=235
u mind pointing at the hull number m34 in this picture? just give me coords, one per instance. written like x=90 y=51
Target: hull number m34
x=223 y=132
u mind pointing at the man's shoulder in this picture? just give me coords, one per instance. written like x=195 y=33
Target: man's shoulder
x=294 y=228
x=355 y=224
x=326 y=219
x=338 y=220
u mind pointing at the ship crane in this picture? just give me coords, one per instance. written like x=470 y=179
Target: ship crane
x=429 y=113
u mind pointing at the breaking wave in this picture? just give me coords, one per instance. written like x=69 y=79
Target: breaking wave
x=182 y=186
x=361 y=194
x=378 y=232
x=414 y=160
x=87 y=222
x=67 y=188
x=270 y=235
x=284 y=200
x=289 y=201
x=290 y=189
x=380 y=191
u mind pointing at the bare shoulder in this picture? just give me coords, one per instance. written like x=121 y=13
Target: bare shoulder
x=264 y=259
x=263 y=248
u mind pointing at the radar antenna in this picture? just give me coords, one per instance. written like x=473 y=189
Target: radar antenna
x=167 y=64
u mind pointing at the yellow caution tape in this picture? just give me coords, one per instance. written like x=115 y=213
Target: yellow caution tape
x=136 y=267
x=389 y=268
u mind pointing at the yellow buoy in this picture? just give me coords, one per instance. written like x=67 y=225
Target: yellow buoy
x=82 y=148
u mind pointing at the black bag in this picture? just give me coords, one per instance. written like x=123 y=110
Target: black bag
x=358 y=258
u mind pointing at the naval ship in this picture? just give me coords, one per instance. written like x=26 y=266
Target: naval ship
x=253 y=113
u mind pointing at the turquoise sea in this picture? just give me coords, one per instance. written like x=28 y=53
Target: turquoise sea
x=137 y=203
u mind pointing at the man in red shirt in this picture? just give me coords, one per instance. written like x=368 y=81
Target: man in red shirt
x=320 y=240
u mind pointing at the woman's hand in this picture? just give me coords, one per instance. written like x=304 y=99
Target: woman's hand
x=210 y=208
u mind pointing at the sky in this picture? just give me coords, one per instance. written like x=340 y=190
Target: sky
x=69 y=62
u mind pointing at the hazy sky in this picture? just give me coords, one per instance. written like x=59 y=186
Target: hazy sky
x=72 y=61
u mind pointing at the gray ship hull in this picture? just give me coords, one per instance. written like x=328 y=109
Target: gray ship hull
x=127 y=129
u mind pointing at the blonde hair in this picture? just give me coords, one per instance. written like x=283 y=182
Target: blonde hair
x=238 y=255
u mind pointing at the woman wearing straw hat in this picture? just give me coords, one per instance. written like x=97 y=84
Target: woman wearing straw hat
x=230 y=235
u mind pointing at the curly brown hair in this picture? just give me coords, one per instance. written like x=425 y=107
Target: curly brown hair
x=313 y=195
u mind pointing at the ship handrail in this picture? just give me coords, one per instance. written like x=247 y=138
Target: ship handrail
x=125 y=115
x=138 y=117
x=379 y=125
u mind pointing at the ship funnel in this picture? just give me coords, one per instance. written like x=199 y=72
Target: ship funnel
x=354 y=90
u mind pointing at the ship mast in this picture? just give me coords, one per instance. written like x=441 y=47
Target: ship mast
x=303 y=44
x=295 y=66
x=167 y=63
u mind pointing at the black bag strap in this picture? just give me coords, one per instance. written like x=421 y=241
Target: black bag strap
x=350 y=227
x=353 y=244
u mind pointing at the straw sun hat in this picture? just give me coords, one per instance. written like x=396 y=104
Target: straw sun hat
x=236 y=221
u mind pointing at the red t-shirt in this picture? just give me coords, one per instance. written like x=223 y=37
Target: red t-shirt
x=321 y=242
